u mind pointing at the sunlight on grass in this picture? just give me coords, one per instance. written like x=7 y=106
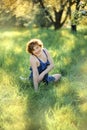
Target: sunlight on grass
x=21 y=69
x=13 y=105
x=64 y=53
x=10 y=43
x=83 y=52
x=83 y=68
x=9 y=61
x=17 y=49
x=65 y=33
x=7 y=43
x=64 y=88
x=83 y=107
x=62 y=118
x=83 y=93
x=68 y=46
x=85 y=37
x=14 y=33
x=66 y=60
x=83 y=117
x=53 y=53
x=11 y=33
x=69 y=41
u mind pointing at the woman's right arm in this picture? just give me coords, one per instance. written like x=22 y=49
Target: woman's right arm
x=33 y=63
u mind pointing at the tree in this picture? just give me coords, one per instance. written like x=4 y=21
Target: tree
x=5 y=14
x=15 y=11
x=43 y=12
x=56 y=10
x=77 y=15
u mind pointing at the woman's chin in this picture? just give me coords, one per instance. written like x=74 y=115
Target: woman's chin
x=39 y=54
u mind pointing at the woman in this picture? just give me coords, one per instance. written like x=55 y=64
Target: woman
x=41 y=63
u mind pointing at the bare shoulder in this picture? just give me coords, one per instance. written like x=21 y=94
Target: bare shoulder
x=32 y=57
x=46 y=50
x=49 y=55
x=33 y=60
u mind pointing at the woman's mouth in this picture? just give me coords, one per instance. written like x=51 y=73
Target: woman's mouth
x=37 y=53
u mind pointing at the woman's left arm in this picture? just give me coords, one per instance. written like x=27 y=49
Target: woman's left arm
x=49 y=68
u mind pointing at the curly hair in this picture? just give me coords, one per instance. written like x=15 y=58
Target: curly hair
x=32 y=43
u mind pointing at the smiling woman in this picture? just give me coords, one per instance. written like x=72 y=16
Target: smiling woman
x=41 y=63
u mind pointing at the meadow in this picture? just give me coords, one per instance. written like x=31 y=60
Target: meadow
x=59 y=106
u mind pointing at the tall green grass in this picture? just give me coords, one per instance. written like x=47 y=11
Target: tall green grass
x=60 y=106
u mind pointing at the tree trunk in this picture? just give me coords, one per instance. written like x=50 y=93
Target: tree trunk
x=58 y=16
x=74 y=28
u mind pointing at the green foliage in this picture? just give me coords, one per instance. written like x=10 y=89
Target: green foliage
x=62 y=105
x=78 y=14
x=41 y=19
x=24 y=13
x=76 y=17
x=18 y=13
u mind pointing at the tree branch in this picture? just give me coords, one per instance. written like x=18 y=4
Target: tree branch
x=46 y=11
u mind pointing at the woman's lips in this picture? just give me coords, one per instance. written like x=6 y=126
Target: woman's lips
x=37 y=53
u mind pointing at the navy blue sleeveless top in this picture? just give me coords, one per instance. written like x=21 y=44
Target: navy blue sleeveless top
x=41 y=68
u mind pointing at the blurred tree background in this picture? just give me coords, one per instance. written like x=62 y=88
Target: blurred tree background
x=40 y=13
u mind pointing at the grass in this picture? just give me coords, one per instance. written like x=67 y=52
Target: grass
x=61 y=106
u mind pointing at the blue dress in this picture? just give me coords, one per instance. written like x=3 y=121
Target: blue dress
x=41 y=68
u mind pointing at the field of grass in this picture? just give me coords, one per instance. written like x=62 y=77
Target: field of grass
x=60 y=106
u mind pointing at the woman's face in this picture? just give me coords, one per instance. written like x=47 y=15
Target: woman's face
x=37 y=50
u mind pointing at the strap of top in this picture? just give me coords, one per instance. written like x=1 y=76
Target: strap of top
x=45 y=54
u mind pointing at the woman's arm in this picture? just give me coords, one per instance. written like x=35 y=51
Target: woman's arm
x=49 y=68
x=33 y=63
